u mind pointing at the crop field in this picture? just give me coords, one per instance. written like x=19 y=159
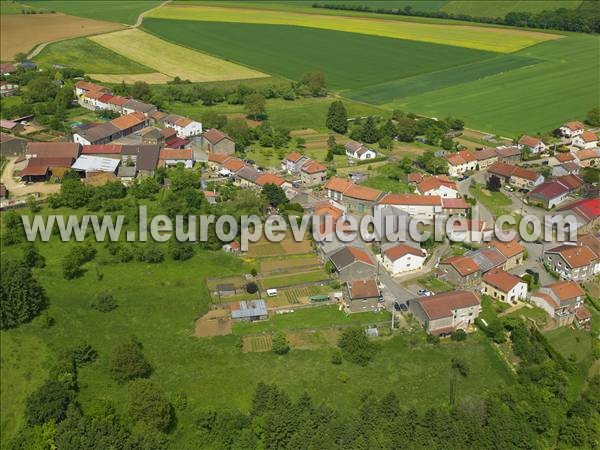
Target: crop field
x=174 y=60
x=17 y=35
x=122 y=11
x=475 y=37
x=291 y=51
x=88 y=56
x=262 y=343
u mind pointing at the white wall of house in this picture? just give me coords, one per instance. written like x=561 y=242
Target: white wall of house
x=442 y=191
x=542 y=303
x=579 y=142
x=188 y=163
x=192 y=129
x=80 y=140
x=369 y=154
x=406 y=263
x=567 y=132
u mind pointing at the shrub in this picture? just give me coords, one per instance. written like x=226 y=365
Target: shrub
x=432 y=339
x=356 y=347
x=280 y=344
x=84 y=353
x=32 y=257
x=336 y=357
x=252 y=288
x=148 y=405
x=104 y=302
x=128 y=362
x=47 y=403
x=181 y=251
x=75 y=259
x=151 y=254
x=21 y=297
x=459 y=335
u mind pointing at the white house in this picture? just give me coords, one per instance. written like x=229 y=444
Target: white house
x=184 y=126
x=420 y=206
x=170 y=157
x=586 y=140
x=534 y=144
x=460 y=162
x=467 y=230
x=571 y=129
x=359 y=151
x=440 y=186
x=503 y=286
x=402 y=258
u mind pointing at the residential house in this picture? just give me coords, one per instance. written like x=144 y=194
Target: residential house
x=312 y=173
x=135 y=106
x=88 y=164
x=215 y=141
x=549 y=194
x=7 y=69
x=467 y=230
x=439 y=185
x=455 y=207
x=510 y=154
x=517 y=176
x=143 y=157
x=269 y=178
x=12 y=126
x=485 y=158
x=586 y=212
x=361 y=295
x=571 y=129
x=335 y=188
x=414 y=177
x=152 y=136
x=402 y=258
x=361 y=199
x=503 y=286
x=84 y=87
x=588 y=157
x=587 y=140
x=420 y=206
x=170 y=157
x=535 y=145
x=573 y=261
x=247 y=176
x=216 y=160
x=353 y=263
x=116 y=103
x=561 y=158
x=560 y=300
x=442 y=314
x=231 y=166
x=487 y=258
x=513 y=251
x=359 y=151
x=461 y=162
x=96 y=134
x=293 y=162
x=460 y=270
x=184 y=126
x=568 y=168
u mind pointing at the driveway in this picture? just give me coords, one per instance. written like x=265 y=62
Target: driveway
x=17 y=189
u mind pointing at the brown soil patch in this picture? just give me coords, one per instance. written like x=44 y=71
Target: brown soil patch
x=214 y=323
x=303 y=132
x=251 y=123
x=23 y=32
x=308 y=339
x=150 y=78
x=283 y=264
x=262 y=343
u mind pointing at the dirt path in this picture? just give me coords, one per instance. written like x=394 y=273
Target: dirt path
x=141 y=16
x=18 y=189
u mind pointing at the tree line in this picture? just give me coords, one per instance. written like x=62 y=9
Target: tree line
x=584 y=19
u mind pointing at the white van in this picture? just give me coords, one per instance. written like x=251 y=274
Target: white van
x=272 y=292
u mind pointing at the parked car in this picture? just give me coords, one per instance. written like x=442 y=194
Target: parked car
x=403 y=307
x=422 y=292
x=508 y=188
x=397 y=306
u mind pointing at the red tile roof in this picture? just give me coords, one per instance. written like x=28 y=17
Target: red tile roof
x=415 y=177
x=574 y=126
x=269 y=178
x=589 y=153
x=464 y=265
x=171 y=153
x=564 y=157
x=117 y=100
x=215 y=136
x=337 y=184
x=589 y=136
x=361 y=255
x=34 y=171
x=313 y=167
x=588 y=208
x=443 y=305
x=106 y=149
x=363 y=289
x=566 y=290
x=572 y=181
x=411 y=199
x=430 y=183
x=529 y=141
x=501 y=280
x=53 y=149
x=362 y=193
x=582 y=313
x=575 y=255
x=398 y=251
x=294 y=157
x=233 y=164
x=508 y=249
x=129 y=120
x=454 y=203
x=218 y=158
x=549 y=190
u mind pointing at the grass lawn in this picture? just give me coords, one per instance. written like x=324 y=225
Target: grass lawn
x=88 y=56
x=293 y=279
x=122 y=11
x=568 y=342
x=291 y=51
x=534 y=313
x=158 y=303
x=495 y=202
x=435 y=285
x=491 y=39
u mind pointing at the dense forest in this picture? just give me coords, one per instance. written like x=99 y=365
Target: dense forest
x=585 y=19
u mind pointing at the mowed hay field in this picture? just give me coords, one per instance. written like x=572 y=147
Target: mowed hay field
x=357 y=60
x=171 y=59
x=122 y=11
x=20 y=33
x=482 y=38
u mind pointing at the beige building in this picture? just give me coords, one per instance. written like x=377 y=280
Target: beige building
x=503 y=286
x=560 y=301
x=215 y=141
x=361 y=295
x=442 y=314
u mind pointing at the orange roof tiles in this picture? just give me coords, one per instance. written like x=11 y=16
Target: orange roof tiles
x=269 y=178
x=575 y=255
x=313 y=167
x=362 y=193
x=508 y=249
x=294 y=157
x=398 y=251
x=171 y=153
x=589 y=136
x=464 y=265
x=443 y=305
x=501 y=280
x=529 y=141
x=337 y=184
x=233 y=164
x=129 y=120
x=363 y=289
x=566 y=290
x=411 y=199
x=574 y=126
x=218 y=157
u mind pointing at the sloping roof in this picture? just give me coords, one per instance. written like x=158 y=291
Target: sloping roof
x=575 y=255
x=549 y=190
x=117 y=100
x=233 y=164
x=454 y=203
x=248 y=308
x=398 y=251
x=529 y=141
x=486 y=153
x=104 y=149
x=430 y=183
x=294 y=157
x=7 y=124
x=34 y=171
x=508 y=249
x=526 y=174
x=218 y=158
x=411 y=199
x=564 y=157
x=501 y=280
x=138 y=106
x=52 y=149
x=574 y=126
x=507 y=152
x=588 y=209
x=348 y=255
x=147 y=155
x=572 y=181
x=462 y=264
x=171 y=153
x=487 y=258
x=129 y=120
x=444 y=304
x=215 y=136
x=98 y=132
x=95 y=95
x=337 y=184
x=362 y=193
x=87 y=86
x=566 y=290
x=589 y=136
x=363 y=289
x=313 y=167
x=582 y=313
x=248 y=173
x=89 y=163
x=589 y=153
x=502 y=169
x=414 y=177
x=269 y=178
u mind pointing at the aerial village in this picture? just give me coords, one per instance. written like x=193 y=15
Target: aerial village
x=438 y=285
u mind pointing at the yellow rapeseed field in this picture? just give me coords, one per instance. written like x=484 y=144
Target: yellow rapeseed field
x=502 y=40
x=173 y=60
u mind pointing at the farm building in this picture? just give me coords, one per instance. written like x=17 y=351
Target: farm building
x=11 y=145
x=215 y=141
x=353 y=263
x=88 y=164
x=249 y=310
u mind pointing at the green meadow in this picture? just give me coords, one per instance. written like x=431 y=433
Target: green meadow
x=122 y=11
x=349 y=60
x=88 y=56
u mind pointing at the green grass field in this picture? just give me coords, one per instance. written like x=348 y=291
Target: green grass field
x=504 y=40
x=499 y=8
x=292 y=51
x=88 y=56
x=158 y=303
x=122 y=11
